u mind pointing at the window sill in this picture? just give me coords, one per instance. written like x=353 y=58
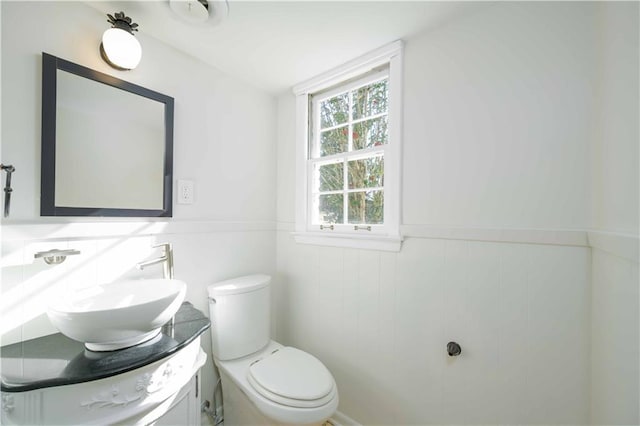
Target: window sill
x=365 y=242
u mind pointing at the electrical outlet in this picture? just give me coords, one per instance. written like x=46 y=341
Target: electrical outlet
x=185 y=191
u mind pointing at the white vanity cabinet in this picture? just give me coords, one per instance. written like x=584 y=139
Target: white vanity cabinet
x=166 y=392
x=185 y=409
x=53 y=380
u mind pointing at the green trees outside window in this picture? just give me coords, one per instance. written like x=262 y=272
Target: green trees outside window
x=353 y=130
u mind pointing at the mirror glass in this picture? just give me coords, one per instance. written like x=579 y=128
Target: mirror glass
x=106 y=145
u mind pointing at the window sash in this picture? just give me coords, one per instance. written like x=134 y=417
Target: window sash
x=315 y=164
x=361 y=81
x=318 y=98
x=314 y=192
x=315 y=161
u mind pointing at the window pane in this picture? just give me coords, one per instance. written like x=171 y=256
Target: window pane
x=334 y=111
x=370 y=100
x=366 y=173
x=334 y=141
x=331 y=177
x=370 y=133
x=330 y=208
x=366 y=207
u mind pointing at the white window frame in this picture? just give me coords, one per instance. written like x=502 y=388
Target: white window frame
x=381 y=237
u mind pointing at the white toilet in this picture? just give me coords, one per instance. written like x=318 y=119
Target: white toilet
x=263 y=382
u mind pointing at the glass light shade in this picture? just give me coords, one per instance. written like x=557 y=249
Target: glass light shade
x=121 y=49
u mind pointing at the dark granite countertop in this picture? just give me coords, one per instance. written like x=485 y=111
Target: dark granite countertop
x=57 y=360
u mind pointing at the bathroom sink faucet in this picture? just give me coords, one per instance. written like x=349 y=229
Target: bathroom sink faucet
x=166 y=259
x=167 y=270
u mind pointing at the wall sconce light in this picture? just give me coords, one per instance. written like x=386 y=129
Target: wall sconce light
x=119 y=47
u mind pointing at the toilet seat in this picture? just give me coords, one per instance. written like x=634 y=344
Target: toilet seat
x=236 y=374
x=293 y=378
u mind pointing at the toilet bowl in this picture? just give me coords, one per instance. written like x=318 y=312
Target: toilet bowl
x=283 y=384
x=263 y=382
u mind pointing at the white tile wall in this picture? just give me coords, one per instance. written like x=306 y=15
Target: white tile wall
x=381 y=322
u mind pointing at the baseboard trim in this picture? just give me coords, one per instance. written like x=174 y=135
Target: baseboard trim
x=341 y=419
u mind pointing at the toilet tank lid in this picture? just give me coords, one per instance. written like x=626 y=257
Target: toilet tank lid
x=239 y=285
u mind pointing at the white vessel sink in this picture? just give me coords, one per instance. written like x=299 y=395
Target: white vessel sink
x=117 y=315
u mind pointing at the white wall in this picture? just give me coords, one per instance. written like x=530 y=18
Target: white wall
x=217 y=119
x=616 y=151
x=498 y=107
x=615 y=361
x=499 y=112
x=227 y=232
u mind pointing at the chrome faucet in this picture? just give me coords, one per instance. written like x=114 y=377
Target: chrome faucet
x=166 y=259
x=167 y=271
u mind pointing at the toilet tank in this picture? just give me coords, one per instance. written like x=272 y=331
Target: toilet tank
x=240 y=313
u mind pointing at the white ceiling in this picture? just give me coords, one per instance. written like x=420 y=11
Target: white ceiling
x=275 y=45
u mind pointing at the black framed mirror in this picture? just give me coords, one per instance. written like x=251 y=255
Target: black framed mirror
x=107 y=145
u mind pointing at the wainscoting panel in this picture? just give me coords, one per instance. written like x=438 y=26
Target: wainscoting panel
x=381 y=322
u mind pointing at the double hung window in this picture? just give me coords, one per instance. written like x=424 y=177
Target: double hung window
x=348 y=141
x=348 y=154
